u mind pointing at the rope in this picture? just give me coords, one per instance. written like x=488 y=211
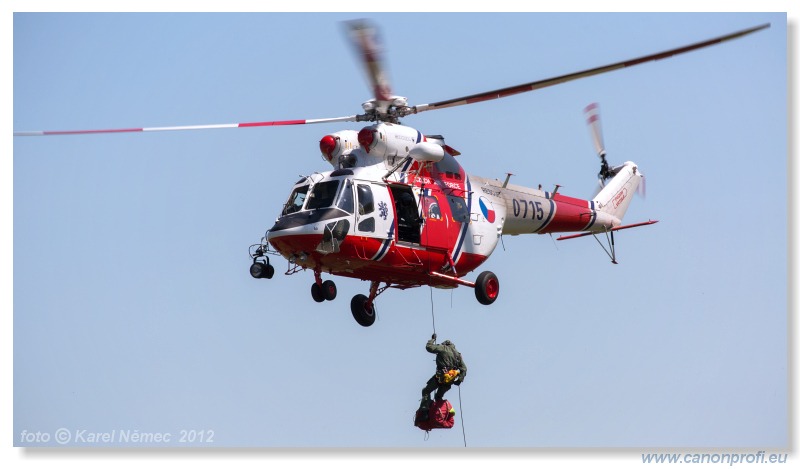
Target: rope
x=461 y=412
x=433 y=317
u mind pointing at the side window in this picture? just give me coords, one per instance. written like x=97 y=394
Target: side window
x=366 y=203
x=431 y=206
x=459 y=209
x=367 y=226
x=346 y=197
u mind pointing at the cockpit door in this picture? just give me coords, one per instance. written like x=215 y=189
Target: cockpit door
x=373 y=210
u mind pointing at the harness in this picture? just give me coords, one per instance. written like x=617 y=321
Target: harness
x=445 y=376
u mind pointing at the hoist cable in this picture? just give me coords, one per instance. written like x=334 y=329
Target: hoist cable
x=463 y=432
x=433 y=317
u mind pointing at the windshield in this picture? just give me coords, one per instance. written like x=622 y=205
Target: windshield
x=296 y=200
x=322 y=195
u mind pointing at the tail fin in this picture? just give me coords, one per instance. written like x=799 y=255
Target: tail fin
x=616 y=196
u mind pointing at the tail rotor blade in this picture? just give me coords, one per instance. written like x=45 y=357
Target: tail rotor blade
x=600 y=187
x=642 y=189
x=592 y=113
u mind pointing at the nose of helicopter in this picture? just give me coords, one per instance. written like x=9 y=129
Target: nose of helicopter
x=295 y=243
x=305 y=237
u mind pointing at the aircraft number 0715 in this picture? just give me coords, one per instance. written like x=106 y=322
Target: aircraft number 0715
x=521 y=205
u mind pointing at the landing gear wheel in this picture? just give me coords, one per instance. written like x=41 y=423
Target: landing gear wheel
x=487 y=288
x=328 y=290
x=316 y=293
x=363 y=311
x=261 y=270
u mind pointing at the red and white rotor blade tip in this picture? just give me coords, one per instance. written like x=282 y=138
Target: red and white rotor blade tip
x=368 y=46
x=39 y=133
x=592 y=113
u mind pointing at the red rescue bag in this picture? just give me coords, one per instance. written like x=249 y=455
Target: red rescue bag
x=440 y=415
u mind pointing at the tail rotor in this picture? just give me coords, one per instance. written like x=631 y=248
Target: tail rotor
x=592 y=113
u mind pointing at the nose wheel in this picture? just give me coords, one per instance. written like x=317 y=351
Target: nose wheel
x=323 y=291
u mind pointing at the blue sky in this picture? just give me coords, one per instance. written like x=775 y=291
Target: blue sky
x=133 y=306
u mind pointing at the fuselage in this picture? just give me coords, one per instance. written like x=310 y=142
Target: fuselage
x=400 y=209
x=423 y=218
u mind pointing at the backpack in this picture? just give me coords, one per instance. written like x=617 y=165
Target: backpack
x=440 y=415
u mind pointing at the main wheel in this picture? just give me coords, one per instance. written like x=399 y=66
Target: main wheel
x=316 y=293
x=487 y=287
x=363 y=311
x=328 y=290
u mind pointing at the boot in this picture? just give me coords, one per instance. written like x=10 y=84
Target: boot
x=425 y=404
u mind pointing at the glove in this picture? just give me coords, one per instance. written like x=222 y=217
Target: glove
x=433 y=337
x=457 y=382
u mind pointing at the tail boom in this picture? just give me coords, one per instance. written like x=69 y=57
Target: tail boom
x=531 y=210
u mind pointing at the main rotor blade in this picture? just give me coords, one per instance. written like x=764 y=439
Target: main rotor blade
x=535 y=85
x=365 y=40
x=39 y=133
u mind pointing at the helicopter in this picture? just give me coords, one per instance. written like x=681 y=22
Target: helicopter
x=397 y=209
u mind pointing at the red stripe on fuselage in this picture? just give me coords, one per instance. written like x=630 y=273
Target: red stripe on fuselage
x=571 y=215
x=570 y=200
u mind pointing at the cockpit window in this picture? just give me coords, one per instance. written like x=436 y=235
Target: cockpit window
x=296 y=200
x=346 y=198
x=322 y=195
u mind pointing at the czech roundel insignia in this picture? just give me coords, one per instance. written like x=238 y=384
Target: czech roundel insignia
x=488 y=213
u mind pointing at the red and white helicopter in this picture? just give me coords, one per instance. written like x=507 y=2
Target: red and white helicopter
x=398 y=210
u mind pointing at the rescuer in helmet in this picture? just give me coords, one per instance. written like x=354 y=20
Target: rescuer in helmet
x=450 y=370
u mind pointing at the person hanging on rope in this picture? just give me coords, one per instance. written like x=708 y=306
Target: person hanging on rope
x=450 y=370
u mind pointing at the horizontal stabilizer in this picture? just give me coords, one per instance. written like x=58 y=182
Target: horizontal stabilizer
x=616 y=228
